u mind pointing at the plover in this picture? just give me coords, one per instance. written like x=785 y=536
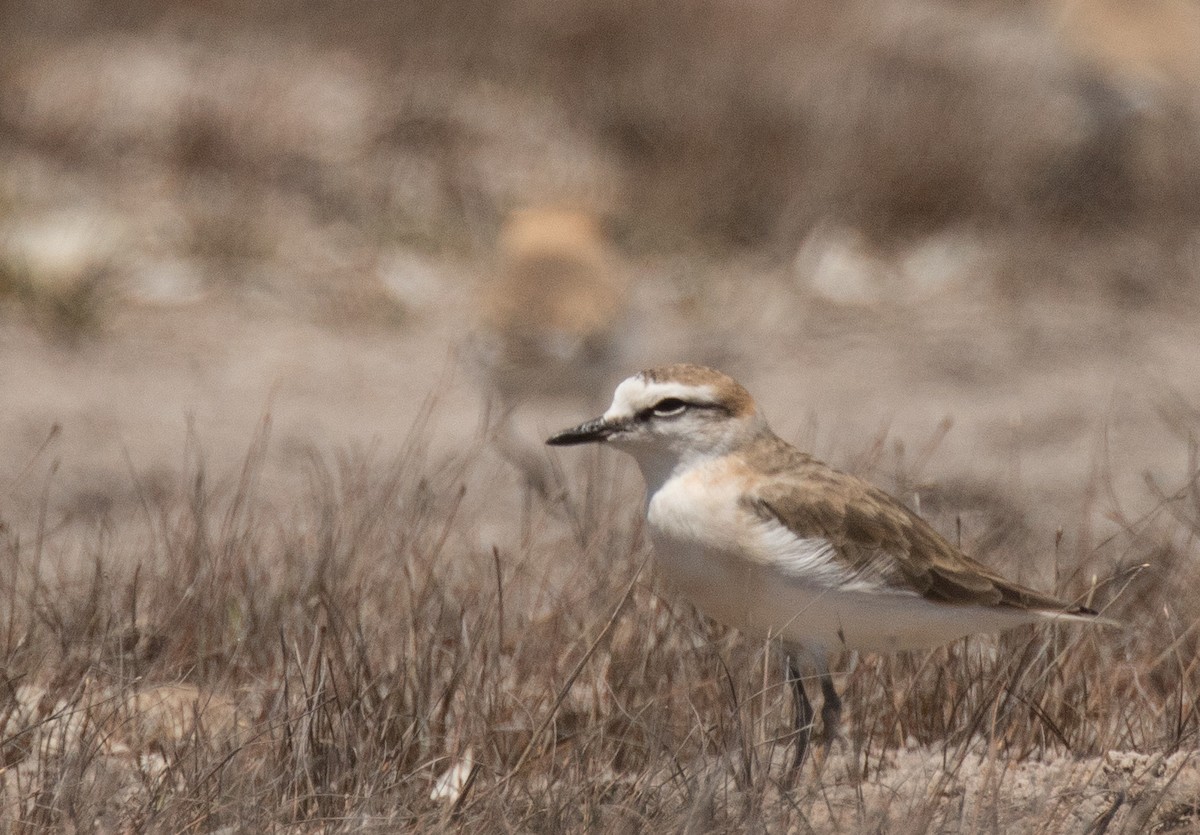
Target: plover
x=548 y=316
x=767 y=539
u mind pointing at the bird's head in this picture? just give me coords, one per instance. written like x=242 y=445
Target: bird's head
x=671 y=416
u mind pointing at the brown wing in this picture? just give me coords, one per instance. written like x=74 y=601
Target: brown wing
x=878 y=536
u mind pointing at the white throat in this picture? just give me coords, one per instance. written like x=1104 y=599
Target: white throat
x=660 y=465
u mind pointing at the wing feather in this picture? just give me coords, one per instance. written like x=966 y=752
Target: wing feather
x=876 y=538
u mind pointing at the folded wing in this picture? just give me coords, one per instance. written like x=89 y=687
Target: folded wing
x=879 y=541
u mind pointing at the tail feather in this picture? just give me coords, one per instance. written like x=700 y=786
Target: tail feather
x=1078 y=614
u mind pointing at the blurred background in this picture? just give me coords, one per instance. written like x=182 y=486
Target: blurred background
x=969 y=230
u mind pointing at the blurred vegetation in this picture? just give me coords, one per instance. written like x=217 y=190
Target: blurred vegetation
x=747 y=127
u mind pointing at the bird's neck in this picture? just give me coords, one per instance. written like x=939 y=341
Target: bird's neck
x=659 y=466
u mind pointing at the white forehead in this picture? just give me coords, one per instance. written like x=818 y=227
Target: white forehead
x=637 y=393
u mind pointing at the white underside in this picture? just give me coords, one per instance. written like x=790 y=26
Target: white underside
x=759 y=577
x=766 y=603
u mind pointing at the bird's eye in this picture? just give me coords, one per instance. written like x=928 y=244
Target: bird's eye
x=669 y=406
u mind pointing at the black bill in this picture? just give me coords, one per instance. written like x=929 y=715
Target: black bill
x=585 y=433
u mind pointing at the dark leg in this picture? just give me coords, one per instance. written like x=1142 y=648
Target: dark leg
x=831 y=710
x=803 y=712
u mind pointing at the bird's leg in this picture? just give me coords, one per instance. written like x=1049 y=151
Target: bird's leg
x=831 y=709
x=803 y=712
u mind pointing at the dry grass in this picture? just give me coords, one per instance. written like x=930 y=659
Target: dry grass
x=221 y=660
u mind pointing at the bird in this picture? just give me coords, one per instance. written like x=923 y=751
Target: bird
x=771 y=541
x=549 y=316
